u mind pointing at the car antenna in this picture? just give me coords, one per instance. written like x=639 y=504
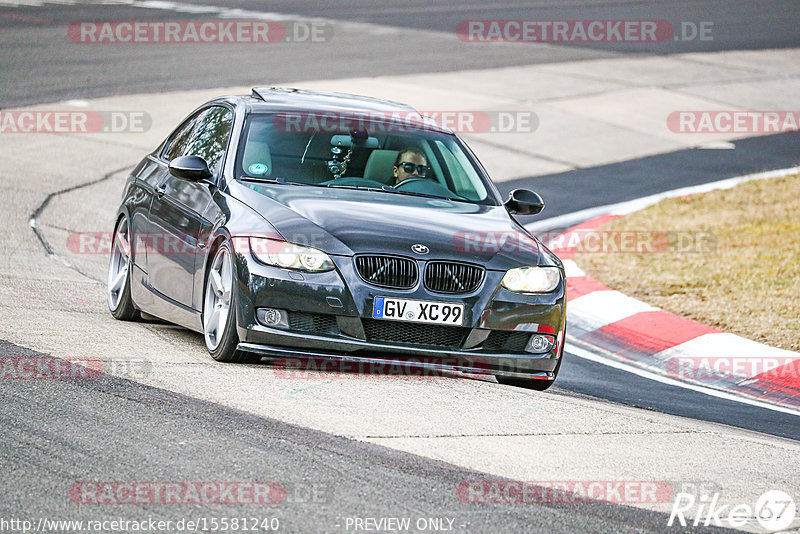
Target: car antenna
x=258 y=92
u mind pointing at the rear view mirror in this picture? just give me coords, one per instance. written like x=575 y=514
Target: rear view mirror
x=524 y=202
x=354 y=140
x=192 y=168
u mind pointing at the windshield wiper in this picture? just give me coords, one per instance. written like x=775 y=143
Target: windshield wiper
x=385 y=189
x=277 y=180
x=426 y=195
x=389 y=189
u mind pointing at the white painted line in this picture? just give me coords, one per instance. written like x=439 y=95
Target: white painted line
x=59 y=259
x=77 y=103
x=729 y=183
x=238 y=13
x=717 y=145
x=40 y=3
x=19 y=3
x=724 y=346
x=588 y=355
x=222 y=12
x=571 y=269
x=232 y=13
x=629 y=206
x=180 y=7
x=601 y=308
x=571 y=219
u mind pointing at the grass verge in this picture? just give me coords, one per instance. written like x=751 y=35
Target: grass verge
x=745 y=279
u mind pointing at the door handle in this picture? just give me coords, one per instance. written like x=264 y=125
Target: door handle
x=160 y=190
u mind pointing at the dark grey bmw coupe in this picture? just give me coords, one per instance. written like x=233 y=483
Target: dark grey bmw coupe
x=304 y=224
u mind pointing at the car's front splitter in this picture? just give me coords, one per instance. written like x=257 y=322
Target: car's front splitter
x=280 y=343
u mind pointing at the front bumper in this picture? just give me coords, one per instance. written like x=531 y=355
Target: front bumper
x=332 y=318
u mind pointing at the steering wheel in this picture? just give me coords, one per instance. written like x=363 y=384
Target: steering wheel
x=431 y=187
x=410 y=180
x=354 y=180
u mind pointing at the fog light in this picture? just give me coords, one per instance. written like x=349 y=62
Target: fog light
x=273 y=317
x=540 y=344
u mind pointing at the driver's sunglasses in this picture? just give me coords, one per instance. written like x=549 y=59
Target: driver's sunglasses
x=409 y=167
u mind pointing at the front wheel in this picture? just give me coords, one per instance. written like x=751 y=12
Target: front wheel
x=120 y=303
x=219 y=309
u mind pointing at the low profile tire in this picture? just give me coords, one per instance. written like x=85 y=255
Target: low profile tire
x=120 y=303
x=219 y=309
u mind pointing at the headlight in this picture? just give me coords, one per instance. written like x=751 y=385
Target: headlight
x=532 y=279
x=289 y=256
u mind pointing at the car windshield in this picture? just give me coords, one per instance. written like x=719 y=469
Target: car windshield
x=350 y=152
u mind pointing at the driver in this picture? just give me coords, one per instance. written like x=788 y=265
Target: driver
x=410 y=163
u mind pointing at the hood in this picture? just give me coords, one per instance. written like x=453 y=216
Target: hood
x=347 y=222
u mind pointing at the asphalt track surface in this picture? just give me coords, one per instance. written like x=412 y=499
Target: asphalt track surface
x=143 y=432
x=597 y=380
x=39 y=63
x=628 y=180
x=149 y=434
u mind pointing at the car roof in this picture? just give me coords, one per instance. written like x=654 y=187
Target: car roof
x=277 y=99
x=288 y=97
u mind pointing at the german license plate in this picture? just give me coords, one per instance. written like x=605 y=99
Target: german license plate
x=418 y=311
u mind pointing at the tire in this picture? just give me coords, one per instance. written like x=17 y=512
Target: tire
x=219 y=308
x=118 y=288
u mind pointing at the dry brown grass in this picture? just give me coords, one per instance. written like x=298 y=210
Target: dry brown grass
x=750 y=285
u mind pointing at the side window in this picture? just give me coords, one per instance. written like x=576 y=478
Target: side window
x=465 y=180
x=205 y=135
x=181 y=140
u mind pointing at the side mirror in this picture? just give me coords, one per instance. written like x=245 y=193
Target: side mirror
x=192 y=168
x=524 y=202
